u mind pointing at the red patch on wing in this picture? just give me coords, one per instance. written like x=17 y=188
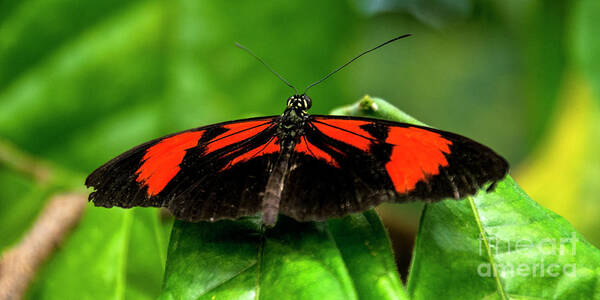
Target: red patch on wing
x=161 y=161
x=417 y=154
x=316 y=152
x=347 y=131
x=271 y=147
x=236 y=132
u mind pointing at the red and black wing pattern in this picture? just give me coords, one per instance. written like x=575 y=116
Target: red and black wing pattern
x=339 y=165
x=347 y=164
x=208 y=173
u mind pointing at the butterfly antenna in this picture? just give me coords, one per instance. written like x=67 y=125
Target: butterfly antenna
x=357 y=57
x=266 y=65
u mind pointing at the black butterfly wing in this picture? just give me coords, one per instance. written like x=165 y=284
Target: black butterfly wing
x=208 y=173
x=346 y=164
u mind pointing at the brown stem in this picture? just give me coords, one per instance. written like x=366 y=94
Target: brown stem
x=19 y=264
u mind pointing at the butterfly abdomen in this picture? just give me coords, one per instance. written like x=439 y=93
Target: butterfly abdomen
x=274 y=188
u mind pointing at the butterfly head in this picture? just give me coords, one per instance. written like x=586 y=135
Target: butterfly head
x=299 y=102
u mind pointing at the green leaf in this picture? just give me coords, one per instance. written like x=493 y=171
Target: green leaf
x=364 y=245
x=493 y=245
x=503 y=244
x=375 y=108
x=98 y=260
x=111 y=254
x=146 y=254
x=348 y=258
x=20 y=200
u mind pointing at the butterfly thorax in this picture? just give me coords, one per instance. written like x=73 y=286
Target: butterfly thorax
x=291 y=124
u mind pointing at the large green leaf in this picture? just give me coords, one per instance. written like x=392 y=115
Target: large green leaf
x=348 y=258
x=98 y=260
x=111 y=254
x=494 y=245
x=501 y=245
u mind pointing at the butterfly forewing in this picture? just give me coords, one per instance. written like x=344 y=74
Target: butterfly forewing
x=212 y=172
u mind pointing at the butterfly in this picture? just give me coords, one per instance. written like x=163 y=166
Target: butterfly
x=308 y=167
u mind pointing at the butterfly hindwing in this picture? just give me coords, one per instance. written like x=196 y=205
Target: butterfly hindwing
x=347 y=164
x=212 y=172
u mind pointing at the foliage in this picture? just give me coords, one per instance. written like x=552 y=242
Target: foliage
x=349 y=258
x=82 y=82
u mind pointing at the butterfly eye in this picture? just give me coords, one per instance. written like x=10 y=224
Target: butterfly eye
x=306 y=101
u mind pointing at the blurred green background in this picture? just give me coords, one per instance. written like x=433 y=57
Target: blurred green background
x=81 y=82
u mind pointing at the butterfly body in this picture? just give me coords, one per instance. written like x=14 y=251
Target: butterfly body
x=308 y=167
x=290 y=130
